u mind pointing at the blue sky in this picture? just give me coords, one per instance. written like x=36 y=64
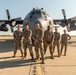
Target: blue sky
x=20 y=8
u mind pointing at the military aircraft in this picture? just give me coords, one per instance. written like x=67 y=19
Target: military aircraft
x=38 y=16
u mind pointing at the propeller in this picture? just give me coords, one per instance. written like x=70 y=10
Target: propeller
x=63 y=12
x=11 y=22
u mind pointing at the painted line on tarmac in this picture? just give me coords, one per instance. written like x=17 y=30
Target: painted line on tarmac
x=39 y=69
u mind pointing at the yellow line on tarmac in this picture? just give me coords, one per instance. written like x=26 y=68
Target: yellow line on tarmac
x=38 y=69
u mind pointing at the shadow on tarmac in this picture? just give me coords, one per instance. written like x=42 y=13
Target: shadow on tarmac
x=6 y=46
x=72 y=43
x=16 y=63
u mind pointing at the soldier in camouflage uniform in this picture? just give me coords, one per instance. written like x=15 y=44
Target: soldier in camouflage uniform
x=17 y=35
x=38 y=37
x=27 y=42
x=56 y=41
x=64 y=38
x=48 y=39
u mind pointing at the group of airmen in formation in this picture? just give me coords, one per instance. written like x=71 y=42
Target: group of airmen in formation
x=42 y=39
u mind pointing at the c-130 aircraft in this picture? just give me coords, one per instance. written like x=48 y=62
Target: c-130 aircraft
x=38 y=16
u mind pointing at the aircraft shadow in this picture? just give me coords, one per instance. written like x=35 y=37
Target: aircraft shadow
x=72 y=43
x=6 y=46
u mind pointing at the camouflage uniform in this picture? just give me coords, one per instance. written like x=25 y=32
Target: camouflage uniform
x=17 y=41
x=48 y=38
x=27 y=43
x=64 y=39
x=38 y=36
x=56 y=42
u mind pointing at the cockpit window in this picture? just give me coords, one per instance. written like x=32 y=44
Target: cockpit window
x=43 y=13
x=38 y=12
x=32 y=13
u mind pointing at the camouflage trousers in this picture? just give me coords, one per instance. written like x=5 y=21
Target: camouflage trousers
x=25 y=46
x=17 y=46
x=58 y=47
x=50 y=48
x=37 y=47
x=65 y=46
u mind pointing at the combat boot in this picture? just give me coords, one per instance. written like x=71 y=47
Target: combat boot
x=21 y=54
x=64 y=54
x=52 y=57
x=32 y=58
x=43 y=62
x=38 y=58
x=61 y=52
x=13 y=55
x=58 y=55
x=24 y=57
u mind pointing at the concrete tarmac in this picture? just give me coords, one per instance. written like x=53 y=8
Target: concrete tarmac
x=63 y=65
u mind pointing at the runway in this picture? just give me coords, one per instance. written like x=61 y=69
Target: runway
x=64 y=65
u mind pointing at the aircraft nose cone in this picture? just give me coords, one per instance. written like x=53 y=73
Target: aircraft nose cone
x=33 y=23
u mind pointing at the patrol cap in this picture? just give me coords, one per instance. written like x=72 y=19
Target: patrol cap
x=26 y=24
x=64 y=30
x=55 y=28
x=18 y=26
x=49 y=26
x=37 y=24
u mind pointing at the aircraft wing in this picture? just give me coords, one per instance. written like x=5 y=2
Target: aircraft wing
x=7 y=22
x=70 y=23
x=62 y=22
x=73 y=19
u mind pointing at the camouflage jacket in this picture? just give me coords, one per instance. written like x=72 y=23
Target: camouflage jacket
x=65 y=37
x=27 y=36
x=56 y=36
x=38 y=35
x=48 y=36
x=17 y=35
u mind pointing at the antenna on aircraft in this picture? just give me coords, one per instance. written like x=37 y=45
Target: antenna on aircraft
x=37 y=7
x=42 y=8
x=33 y=8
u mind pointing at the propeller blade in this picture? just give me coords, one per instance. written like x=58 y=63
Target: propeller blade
x=8 y=14
x=11 y=27
x=63 y=12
